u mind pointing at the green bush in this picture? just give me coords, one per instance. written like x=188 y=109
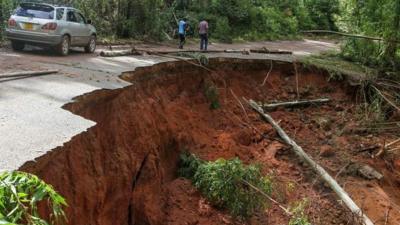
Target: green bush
x=20 y=194
x=299 y=217
x=6 y=7
x=223 y=183
x=222 y=30
x=212 y=95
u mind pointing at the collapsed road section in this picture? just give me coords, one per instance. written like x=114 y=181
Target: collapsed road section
x=124 y=169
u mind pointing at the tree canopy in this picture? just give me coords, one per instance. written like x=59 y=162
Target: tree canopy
x=229 y=19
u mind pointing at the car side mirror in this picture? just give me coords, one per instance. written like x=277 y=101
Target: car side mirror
x=89 y=21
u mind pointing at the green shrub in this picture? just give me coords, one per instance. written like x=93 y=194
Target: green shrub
x=212 y=95
x=20 y=194
x=222 y=30
x=223 y=183
x=299 y=217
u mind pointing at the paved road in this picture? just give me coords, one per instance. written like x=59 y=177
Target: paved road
x=32 y=121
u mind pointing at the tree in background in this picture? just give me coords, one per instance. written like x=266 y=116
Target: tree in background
x=6 y=7
x=380 y=18
x=228 y=19
x=322 y=13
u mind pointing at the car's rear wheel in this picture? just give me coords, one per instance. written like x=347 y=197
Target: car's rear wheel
x=17 y=45
x=63 y=47
x=91 y=46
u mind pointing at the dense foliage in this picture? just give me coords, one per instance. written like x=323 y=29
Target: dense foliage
x=223 y=183
x=20 y=194
x=249 y=20
x=229 y=19
x=377 y=18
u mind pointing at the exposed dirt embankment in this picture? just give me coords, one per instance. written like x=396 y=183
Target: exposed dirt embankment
x=123 y=170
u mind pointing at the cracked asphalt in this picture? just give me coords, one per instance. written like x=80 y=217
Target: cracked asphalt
x=32 y=120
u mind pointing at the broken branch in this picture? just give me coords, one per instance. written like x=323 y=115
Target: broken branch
x=392 y=143
x=268 y=51
x=296 y=103
x=268 y=197
x=342 y=194
x=27 y=73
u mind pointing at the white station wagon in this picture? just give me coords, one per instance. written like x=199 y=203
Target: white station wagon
x=47 y=25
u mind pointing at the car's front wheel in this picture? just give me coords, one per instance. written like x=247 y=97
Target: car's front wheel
x=17 y=45
x=91 y=46
x=63 y=47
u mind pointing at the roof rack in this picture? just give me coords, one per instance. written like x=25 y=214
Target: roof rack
x=50 y=2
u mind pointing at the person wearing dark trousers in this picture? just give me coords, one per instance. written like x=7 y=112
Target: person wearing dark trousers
x=203 y=31
x=182 y=32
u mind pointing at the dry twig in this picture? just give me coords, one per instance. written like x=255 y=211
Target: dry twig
x=269 y=72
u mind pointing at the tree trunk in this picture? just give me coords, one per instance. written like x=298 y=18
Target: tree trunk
x=317 y=168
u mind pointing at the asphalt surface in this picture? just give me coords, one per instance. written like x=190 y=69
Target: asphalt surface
x=32 y=121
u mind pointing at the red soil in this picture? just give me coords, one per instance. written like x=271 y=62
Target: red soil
x=123 y=170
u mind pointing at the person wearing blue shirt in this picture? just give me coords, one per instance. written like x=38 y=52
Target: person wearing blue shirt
x=182 y=32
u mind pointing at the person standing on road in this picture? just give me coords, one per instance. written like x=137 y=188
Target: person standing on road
x=203 y=31
x=182 y=32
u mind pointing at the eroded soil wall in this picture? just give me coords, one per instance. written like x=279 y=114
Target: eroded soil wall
x=123 y=170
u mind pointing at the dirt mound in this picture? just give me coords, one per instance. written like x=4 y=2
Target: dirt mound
x=123 y=170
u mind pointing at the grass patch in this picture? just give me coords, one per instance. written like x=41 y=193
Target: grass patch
x=339 y=68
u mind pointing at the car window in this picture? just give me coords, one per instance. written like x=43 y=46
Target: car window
x=71 y=17
x=59 y=13
x=35 y=11
x=80 y=18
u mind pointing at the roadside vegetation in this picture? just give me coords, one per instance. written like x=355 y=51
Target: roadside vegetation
x=229 y=19
x=249 y=20
x=20 y=195
x=241 y=189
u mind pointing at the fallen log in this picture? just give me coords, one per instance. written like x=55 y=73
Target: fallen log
x=119 y=53
x=315 y=166
x=27 y=73
x=268 y=51
x=295 y=103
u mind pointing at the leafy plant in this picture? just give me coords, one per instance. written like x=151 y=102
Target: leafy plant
x=224 y=183
x=202 y=59
x=299 y=217
x=20 y=194
x=379 y=18
x=211 y=94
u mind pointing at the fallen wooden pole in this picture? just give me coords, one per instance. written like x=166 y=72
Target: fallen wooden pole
x=118 y=53
x=317 y=168
x=349 y=35
x=296 y=103
x=27 y=73
x=267 y=51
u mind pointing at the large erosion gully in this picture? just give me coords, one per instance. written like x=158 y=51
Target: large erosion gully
x=123 y=170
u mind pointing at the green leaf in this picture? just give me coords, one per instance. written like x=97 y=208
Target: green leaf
x=5 y=222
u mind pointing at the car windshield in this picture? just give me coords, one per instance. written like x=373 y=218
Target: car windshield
x=35 y=11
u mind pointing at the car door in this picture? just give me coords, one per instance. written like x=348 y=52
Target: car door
x=86 y=32
x=76 y=25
